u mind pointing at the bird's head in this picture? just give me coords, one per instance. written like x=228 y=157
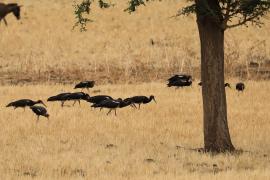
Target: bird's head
x=153 y=97
x=119 y=99
x=47 y=115
x=86 y=97
x=41 y=102
x=227 y=85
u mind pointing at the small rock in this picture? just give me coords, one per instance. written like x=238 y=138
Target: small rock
x=110 y=146
x=149 y=160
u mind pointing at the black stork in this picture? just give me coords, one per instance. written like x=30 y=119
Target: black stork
x=77 y=96
x=8 y=8
x=179 y=76
x=110 y=104
x=85 y=84
x=40 y=111
x=128 y=102
x=180 y=80
x=225 y=85
x=24 y=102
x=240 y=87
x=142 y=100
x=60 y=97
x=98 y=99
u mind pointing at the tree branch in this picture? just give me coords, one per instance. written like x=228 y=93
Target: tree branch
x=245 y=20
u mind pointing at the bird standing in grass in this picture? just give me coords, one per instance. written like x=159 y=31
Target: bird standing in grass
x=127 y=102
x=180 y=81
x=60 y=97
x=142 y=100
x=240 y=87
x=39 y=111
x=110 y=104
x=77 y=96
x=22 y=103
x=225 y=85
x=98 y=99
x=85 y=85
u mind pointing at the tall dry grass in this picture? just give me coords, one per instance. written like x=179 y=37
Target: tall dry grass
x=116 y=47
x=78 y=142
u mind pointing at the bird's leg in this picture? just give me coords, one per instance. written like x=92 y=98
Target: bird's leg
x=79 y=102
x=115 y=111
x=74 y=103
x=100 y=109
x=87 y=89
x=5 y=21
x=109 y=112
x=23 y=109
x=133 y=106
x=140 y=106
x=37 y=118
x=62 y=103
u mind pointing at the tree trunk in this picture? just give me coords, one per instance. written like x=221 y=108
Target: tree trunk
x=216 y=131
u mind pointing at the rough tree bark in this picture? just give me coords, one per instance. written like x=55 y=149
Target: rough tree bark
x=216 y=131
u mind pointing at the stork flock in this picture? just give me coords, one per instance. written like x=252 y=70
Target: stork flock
x=104 y=101
x=99 y=101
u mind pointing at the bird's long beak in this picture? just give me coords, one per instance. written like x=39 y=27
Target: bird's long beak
x=155 y=100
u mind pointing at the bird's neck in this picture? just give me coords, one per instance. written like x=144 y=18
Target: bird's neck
x=149 y=99
x=36 y=102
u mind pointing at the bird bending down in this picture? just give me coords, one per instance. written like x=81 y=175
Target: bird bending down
x=77 y=96
x=110 y=104
x=22 y=103
x=180 y=81
x=98 y=99
x=225 y=85
x=60 y=97
x=142 y=100
x=39 y=111
x=85 y=84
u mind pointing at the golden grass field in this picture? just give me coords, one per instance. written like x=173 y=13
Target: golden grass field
x=78 y=142
x=116 y=48
x=41 y=56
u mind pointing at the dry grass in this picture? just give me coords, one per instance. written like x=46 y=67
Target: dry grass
x=76 y=142
x=116 y=47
